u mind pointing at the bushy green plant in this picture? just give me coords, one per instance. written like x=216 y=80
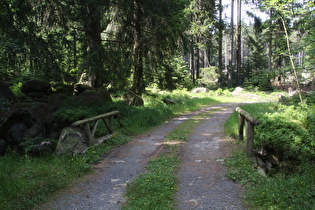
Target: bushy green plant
x=294 y=191
x=27 y=180
x=16 y=90
x=220 y=92
x=209 y=77
x=241 y=168
x=287 y=133
x=70 y=115
x=288 y=130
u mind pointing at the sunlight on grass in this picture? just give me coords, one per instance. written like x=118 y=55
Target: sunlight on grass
x=156 y=188
x=292 y=185
x=27 y=181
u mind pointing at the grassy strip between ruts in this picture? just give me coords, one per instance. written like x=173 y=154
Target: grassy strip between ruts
x=27 y=181
x=156 y=188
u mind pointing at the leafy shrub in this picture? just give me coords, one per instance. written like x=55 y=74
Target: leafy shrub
x=295 y=191
x=16 y=90
x=220 y=92
x=288 y=132
x=209 y=77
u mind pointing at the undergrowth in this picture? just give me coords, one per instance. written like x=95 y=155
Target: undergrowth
x=288 y=131
x=27 y=181
x=156 y=188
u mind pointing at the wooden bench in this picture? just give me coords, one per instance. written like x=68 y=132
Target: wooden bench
x=107 y=118
x=251 y=122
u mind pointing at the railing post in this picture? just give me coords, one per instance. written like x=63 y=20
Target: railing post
x=109 y=128
x=241 y=121
x=94 y=129
x=251 y=122
x=87 y=132
x=110 y=122
x=249 y=138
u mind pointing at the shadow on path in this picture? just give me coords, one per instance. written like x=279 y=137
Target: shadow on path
x=105 y=188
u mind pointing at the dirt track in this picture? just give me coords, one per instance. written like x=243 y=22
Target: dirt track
x=202 y=181
x=203 y=184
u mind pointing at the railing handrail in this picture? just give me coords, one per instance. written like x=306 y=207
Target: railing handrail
x=98 y=117
x=247 y=116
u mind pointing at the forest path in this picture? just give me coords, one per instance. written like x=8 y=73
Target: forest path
x=202 y=180
x=202 y=177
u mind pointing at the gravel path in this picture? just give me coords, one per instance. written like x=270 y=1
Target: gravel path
x=202 y=180
x=203 y=184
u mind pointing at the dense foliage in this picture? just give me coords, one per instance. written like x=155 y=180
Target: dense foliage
x=288 y=132
x=123 y=44
x=27 y=181
x=292 y=133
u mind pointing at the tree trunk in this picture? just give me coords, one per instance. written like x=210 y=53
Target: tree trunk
x=270 y=45
x=94 y=48
x=197 y=61
x=230 y=73
x=75 y=60
x=220 y=43
x=192 y=62
x=226 y=54
x=239 y=42
x=169 y=84
x=138 y=86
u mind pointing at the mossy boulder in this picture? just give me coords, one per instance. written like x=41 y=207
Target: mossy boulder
x=71 y=142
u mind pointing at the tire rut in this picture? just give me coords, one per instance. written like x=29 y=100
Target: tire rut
x=105 y=188
x=202 y=175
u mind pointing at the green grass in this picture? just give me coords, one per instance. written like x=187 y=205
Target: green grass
x=294 y=191
x=156 y=188
x=292 y=188
x=28 y=181
x=183 y=131
x=241 y=168
x=231 y=125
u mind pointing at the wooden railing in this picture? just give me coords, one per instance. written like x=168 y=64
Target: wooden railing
x=108 y=123
x=251 y=122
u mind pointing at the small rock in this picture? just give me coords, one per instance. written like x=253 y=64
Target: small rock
x=237 y=91
x=261 y=172
x=220 y=160
x=16 y=133
x=261 y=152
x=268 y=166
x=200 y=90
x=260 y=162
x=273 y=159
x=44 y=146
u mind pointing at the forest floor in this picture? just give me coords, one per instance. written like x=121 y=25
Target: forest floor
x=202 y=176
